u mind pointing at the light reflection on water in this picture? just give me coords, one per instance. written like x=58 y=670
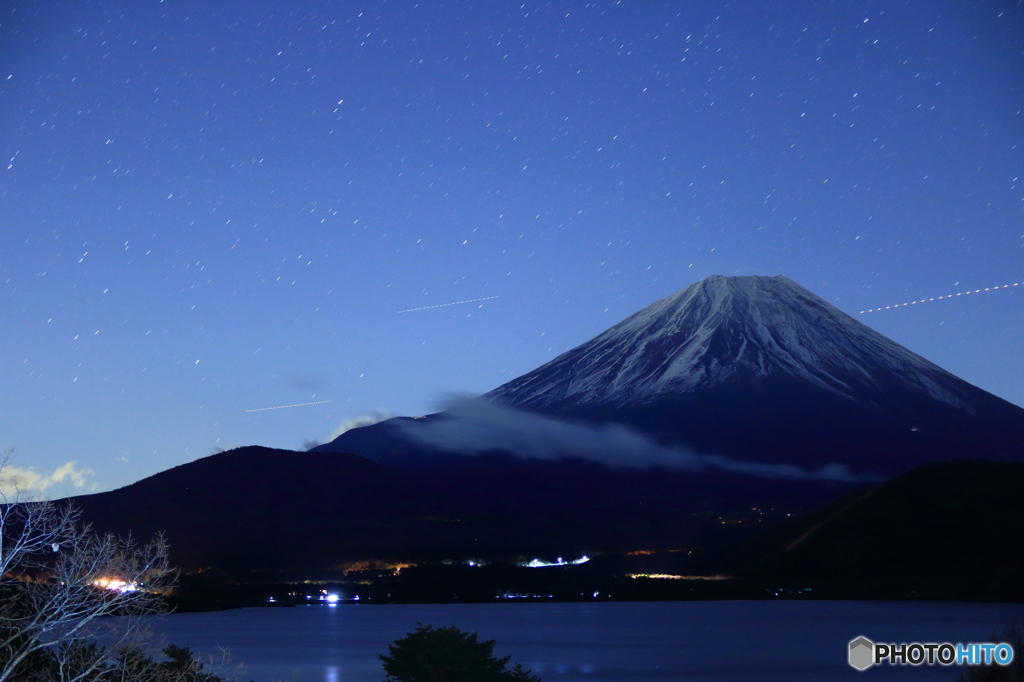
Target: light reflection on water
x=730 y=641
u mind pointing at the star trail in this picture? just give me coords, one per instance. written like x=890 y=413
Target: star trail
x=939 y=298
x=310 y=197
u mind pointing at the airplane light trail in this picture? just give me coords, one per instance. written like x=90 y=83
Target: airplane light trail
x=939 y=298
x=281 y=407
x=441 y=305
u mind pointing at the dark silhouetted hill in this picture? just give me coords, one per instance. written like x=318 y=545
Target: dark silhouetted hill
x=264 y=509
x=946 y=530
x=260 y=509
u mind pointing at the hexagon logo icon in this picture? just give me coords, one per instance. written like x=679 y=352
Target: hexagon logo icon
x=862 y=653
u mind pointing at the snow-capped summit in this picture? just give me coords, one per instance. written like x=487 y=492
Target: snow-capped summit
x=729 y=330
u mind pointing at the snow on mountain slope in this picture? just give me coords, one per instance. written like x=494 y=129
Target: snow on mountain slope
x=730 y=329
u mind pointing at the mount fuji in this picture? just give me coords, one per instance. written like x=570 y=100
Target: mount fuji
x=735 y=402
x=754 y=370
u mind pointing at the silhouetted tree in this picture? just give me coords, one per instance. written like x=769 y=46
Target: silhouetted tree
x=90 y=662
x=448 y=654
x=58 y=579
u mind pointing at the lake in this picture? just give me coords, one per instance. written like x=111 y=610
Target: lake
x=748 y=641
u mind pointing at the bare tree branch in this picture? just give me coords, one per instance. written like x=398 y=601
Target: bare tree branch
x=59 y=579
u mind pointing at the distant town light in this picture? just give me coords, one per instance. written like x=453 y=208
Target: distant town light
x=537 y=563
x=116 y=584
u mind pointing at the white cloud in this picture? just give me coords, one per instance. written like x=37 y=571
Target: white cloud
x=16 y=480
x=473 y=426
x=357 y=422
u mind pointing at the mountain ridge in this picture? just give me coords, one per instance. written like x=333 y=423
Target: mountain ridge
x=784 y=386
x=752 y=368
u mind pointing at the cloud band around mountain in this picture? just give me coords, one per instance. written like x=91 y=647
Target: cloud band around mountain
x=472 y=426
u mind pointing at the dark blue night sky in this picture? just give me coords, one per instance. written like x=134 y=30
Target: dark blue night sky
x=209 y=208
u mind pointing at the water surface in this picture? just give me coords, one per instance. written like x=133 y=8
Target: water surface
x=725 y=641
